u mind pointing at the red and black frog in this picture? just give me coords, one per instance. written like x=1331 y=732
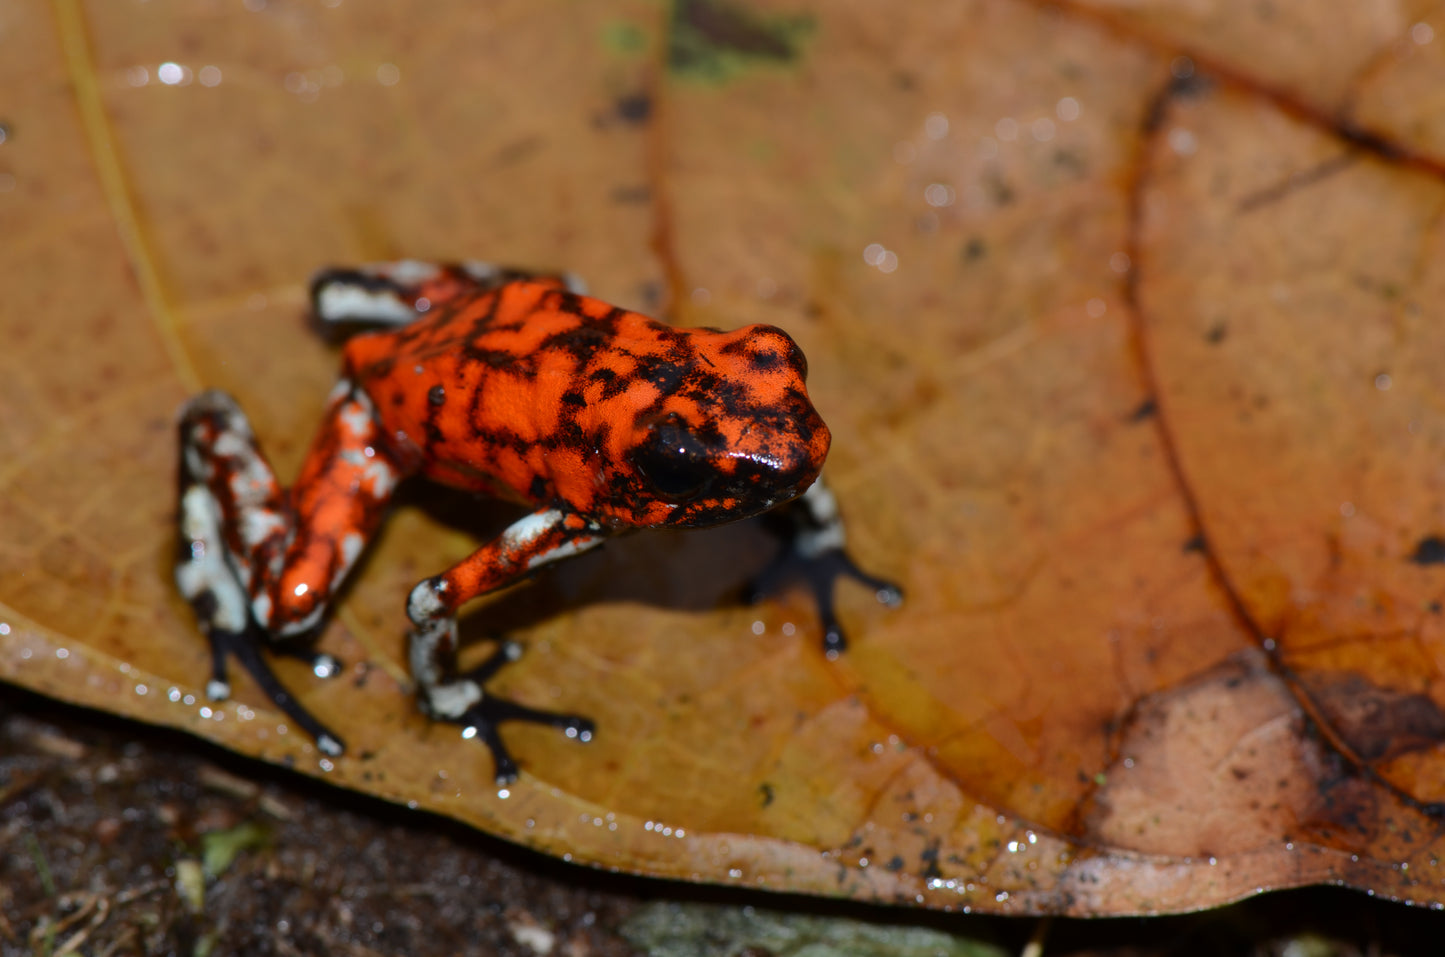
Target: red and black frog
x=513 y=386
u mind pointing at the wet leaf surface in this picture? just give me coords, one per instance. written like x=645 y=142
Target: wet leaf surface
x=1124 y=320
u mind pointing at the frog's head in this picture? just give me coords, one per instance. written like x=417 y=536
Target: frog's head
x=731 y=432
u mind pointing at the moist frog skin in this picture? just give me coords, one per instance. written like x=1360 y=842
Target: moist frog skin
x=514 y=386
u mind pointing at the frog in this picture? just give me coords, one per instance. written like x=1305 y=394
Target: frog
x=511 y=385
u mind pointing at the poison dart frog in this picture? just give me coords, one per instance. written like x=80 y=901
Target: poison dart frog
x=510 y=385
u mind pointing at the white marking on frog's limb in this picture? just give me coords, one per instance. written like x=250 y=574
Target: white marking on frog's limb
x=524 y=531
x=484 y=273
x=251 y=482
x=351 y=545
x=521 y=534
x=489 y=275
x=823 y=530
x=231 y=443
x=259 y=524
x=357 y=414
x=425 y=605
x=205 y=570
x=404 y=272
x=379 y=479
x=567 y=549
x=337 y=301
x=261 y=609
x=214 y=402
x=339 y=391
x=431 y=652
x=197 y=466
x=302 y=625
x=452 y=700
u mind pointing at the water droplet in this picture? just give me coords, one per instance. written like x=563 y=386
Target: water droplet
x=173 y=74
x=1183 y=142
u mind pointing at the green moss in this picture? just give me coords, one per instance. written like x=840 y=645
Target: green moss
x=714 y=40
x=624 y=38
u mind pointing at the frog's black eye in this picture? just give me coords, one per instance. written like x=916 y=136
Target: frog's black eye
x=673 y=461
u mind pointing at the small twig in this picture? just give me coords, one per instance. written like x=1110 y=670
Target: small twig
x=1035 y=946
x=42 y=868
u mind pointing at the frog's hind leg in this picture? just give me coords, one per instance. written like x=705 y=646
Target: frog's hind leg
x=397 y=293
x=258 y=564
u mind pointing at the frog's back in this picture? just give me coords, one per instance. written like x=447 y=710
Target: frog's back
x=477 y=389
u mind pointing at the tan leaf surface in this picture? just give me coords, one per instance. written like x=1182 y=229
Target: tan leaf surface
x=1125 y=320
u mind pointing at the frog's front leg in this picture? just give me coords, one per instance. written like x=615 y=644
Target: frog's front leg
x=259 y=564
x=445 y=694
x=814 y=549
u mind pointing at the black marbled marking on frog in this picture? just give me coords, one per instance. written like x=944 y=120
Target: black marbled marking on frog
x=435 y=437
x=483 y=322
x=613 y=383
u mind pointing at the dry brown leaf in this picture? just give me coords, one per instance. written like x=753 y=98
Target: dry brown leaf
x=1125 y=320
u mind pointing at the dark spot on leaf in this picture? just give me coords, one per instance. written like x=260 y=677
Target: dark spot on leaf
x=631 y=195
x=896 y=864
x=1378 y=723
x=1070 y=162
x=766 y=790
x=1430 y=551
x=1193 y=85
x=999 y=189
x=1146 y=410
x=974 y=250
x=634 y=107
x=929 y=856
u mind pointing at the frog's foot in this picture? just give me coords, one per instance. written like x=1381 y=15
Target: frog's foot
x=244 y=646
x=813 y=550
x=464 y=702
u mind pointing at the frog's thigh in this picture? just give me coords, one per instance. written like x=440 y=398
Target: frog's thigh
x=346 y=482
